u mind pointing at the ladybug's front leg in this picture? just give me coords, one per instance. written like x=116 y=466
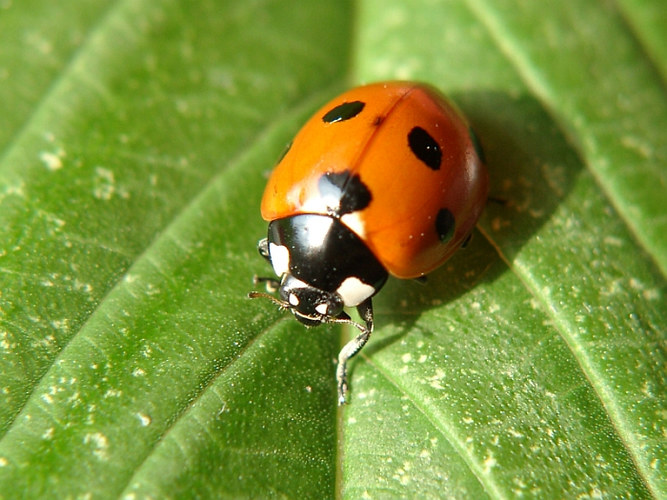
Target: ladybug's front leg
x=263 y=248
x=350 y=349
x=365 y=310
x=272 y=284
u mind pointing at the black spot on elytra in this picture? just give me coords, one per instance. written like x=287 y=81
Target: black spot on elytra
x=444 y=225
x=343 y=112
x=351 y=193
x=425 y=147
x=477 y=144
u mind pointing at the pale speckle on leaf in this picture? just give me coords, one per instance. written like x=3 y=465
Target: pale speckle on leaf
x=489 y=462
x=144 y=419
x=52 y=160
x=100 y=444
x=105 y=186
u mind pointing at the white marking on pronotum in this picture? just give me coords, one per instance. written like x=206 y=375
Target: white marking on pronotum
x=322 y=308
x=354 y=222
x=293 y=299
x=354 y=291
x=317 y=234
x=279 y=258
x=321 y=204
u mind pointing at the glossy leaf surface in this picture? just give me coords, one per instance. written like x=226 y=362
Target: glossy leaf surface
x=136 y=138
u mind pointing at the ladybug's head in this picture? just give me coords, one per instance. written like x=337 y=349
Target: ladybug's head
x=310 y=305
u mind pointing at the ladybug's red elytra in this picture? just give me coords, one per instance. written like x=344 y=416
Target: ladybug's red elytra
x=387 y=178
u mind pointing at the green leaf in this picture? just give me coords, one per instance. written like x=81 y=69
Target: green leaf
x=136 y=138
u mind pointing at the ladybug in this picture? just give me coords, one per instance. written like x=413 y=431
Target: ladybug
x=387 y=178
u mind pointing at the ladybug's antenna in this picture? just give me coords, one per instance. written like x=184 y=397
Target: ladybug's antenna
x=281 y=303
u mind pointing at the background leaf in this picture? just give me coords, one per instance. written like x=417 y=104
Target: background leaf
x=136 y=137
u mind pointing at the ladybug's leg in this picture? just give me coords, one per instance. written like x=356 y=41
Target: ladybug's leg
x=263 y=248
x=350 y=349
x=365 y=310
x=272 y=284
